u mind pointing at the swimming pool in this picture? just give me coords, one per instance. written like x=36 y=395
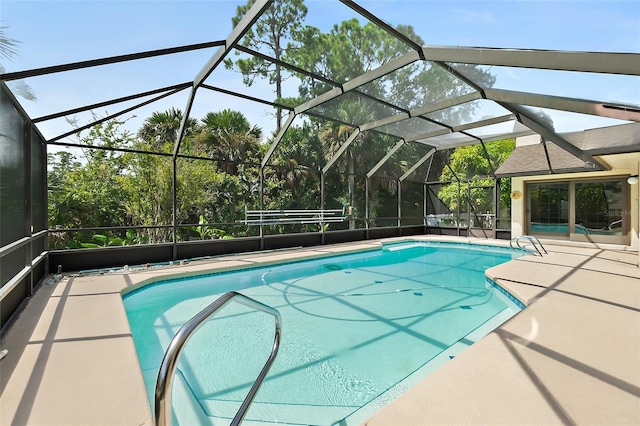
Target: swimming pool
x=358 y=330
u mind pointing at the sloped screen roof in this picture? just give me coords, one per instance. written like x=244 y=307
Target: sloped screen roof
x=395 y=84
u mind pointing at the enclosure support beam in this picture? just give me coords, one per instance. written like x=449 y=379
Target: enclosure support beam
x=277 y=140
x=424 y=136
x=426 y=177
x=582 y=106
x=424 y=205
x=598 y=62
x=185 y=118
x=381 y=71
x=261 y=207
x=546 y=154
x=384 y=159
x=111 y=102
x=385 y=121
x=357 y=82
x=238 y=32
x=419 y=112
x=106 y=61
x=458 y=192
x=366 y=205
x=426 y=193
x=322 y=204
x=496 y=205
x=290 y=67
x=487 y=156
x=399 y=184
x=341 y=150
x=174 y=206
x=246 y=97
x=469 y=212
x=109 y=117
x=45 y=194
x=418 y=164
x=458 y=100
x=482 y=123
x=422 y=111
x=383 y=25
x=28 y=198
x=538 y=127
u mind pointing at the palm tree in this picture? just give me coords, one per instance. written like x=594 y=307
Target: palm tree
x=333 y=135
x=228 y=136
x=8 y=51
x=7 y=45
x=162 y=128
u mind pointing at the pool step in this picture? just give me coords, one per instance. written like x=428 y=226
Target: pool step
x=205 y=412
x=290 y=414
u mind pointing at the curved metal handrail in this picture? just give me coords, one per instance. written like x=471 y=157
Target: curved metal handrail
x=170 y=360
x=534 y=241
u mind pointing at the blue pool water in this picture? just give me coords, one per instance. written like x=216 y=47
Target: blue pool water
x=358 y=330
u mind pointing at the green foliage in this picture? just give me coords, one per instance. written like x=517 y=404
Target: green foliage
x=160 y=131
x=293 y=182
x=221 y=176
x=228 y=137
x=89 y=239
x=206 y=232
x=350 y=49
x=87 y=191
x=468 y=170
x=103 y=188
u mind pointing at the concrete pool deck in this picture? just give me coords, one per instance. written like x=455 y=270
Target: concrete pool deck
x=571 y=357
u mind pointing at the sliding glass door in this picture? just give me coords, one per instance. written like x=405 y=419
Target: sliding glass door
x=549 y=208
x=581 y=210
x=600 y=208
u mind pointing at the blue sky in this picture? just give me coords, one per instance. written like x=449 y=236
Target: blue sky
x=55 y=32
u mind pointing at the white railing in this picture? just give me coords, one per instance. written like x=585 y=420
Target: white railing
x=288 y=217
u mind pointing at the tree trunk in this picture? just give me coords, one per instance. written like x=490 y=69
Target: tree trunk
x=278 y=92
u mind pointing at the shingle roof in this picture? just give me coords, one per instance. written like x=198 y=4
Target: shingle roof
x=531 y=160
x=607 y=140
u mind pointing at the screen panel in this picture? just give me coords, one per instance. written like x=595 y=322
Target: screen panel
x=12 y=173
